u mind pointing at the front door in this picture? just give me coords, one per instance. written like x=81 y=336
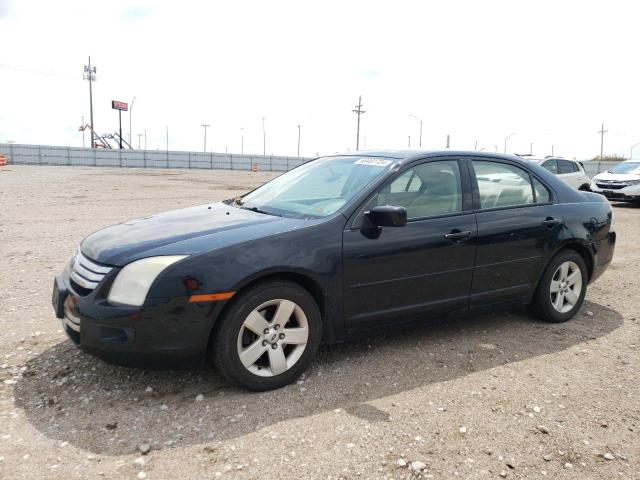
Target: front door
x=397 y=274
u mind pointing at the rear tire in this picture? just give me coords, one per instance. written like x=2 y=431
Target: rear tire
x=268 y=336
x=562 y=288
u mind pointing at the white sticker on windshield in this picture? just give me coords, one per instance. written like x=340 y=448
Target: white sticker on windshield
x=376 y=162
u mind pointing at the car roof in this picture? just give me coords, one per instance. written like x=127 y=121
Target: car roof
x=410 y=154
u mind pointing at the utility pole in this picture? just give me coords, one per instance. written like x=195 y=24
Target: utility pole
x=130 y=110
x=448 y=140
x=90 y=74
x=552 y=147
x=602 y=132
x=139 y=137
x=145 y=138
x=298 y=141
x=242 y=141
x=167 y=131
x=358 y=111
x=505 y=140
x=531 y=149
x=420 y=122
x=205 y=126
x=264 y=138
x=475 y=145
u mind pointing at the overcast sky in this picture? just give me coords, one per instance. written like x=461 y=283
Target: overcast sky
x=477 y=70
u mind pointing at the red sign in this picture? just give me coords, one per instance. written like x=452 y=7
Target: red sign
x=116 y=105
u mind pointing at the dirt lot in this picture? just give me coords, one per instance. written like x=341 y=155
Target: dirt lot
x=498 y=395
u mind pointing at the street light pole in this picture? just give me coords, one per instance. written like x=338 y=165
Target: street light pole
x=205 y=126
x=264 y=138
x=420 y=122
x=298 y=141
x=130 y=110
x=242 y=141
x=632 y=147
x=139 y=137
x=505 y=140
x=145 y=138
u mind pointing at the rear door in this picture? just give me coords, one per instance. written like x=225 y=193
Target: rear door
x=517 y=222
x=396 y=274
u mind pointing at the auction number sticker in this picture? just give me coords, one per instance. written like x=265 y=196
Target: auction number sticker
x=375 y=162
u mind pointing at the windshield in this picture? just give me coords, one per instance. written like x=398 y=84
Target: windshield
x=316 y=189
x=627 y=167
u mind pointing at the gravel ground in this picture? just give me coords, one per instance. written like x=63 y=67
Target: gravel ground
x=500 y=395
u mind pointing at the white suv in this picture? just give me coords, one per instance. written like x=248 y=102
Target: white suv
x=621 y=183
x=570 y=171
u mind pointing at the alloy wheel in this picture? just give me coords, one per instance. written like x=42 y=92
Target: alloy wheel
x=273 y=337
x=566 y=287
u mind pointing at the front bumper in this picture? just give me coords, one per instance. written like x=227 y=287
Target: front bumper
x=170 y=333
x=626 y=194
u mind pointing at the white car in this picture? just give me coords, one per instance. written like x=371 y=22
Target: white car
x=570 y=171
x=621 y=183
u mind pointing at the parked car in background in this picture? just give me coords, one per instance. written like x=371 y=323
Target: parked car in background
x=621 y=183
x=570 y=171
x=340 y=247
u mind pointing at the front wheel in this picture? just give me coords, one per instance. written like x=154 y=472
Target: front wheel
x=268 y=336
x=562 y=288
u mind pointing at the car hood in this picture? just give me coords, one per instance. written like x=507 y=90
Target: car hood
x=620 y=177
x=124 y=242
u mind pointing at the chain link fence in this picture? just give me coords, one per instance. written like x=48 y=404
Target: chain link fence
x=19 y=154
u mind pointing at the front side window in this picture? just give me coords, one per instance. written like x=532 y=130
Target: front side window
x=428 y=189
x=502 y=185
x=316 y=189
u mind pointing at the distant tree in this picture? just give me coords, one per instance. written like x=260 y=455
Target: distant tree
x=609 y=158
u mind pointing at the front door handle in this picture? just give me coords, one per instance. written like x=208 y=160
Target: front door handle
x=550 y=222
x=457 y=235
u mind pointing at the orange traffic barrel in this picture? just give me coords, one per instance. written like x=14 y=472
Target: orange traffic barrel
x=3 y=160
x=254 y=167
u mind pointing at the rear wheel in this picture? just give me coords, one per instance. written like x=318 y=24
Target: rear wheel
x=562 y=288
x=269 y=336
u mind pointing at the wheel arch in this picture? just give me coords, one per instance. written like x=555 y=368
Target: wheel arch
x=577 y=247
x=306 y=281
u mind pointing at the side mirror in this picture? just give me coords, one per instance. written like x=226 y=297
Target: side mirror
x=388 y=216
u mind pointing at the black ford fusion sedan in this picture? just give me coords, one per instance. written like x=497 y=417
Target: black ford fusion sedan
x=341 y=246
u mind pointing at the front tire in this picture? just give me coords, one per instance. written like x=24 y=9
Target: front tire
x=562 y=288
x=268 y=336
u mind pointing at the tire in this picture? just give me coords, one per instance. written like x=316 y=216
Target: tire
x=253 y=349
x=585 y=188
x=563 y=304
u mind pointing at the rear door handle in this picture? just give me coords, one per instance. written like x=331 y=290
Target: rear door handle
x=457 y=235
x=550 y=222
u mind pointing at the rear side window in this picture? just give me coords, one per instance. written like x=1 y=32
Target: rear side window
x=543 y=195
x=551 y=165
x=502 y=185
x=565 y=166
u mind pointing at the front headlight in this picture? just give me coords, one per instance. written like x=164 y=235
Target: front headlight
x=134 y=280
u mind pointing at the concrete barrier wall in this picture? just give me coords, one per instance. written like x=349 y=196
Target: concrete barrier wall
x=20 y=154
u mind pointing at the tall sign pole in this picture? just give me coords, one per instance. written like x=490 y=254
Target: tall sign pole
x=120 y=106
x=358 y=111
x=90 y=74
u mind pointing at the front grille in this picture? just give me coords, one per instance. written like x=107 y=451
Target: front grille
x=86 y=273
x=611 y=186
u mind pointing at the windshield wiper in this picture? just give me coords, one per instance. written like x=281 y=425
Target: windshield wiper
x=258 y=210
